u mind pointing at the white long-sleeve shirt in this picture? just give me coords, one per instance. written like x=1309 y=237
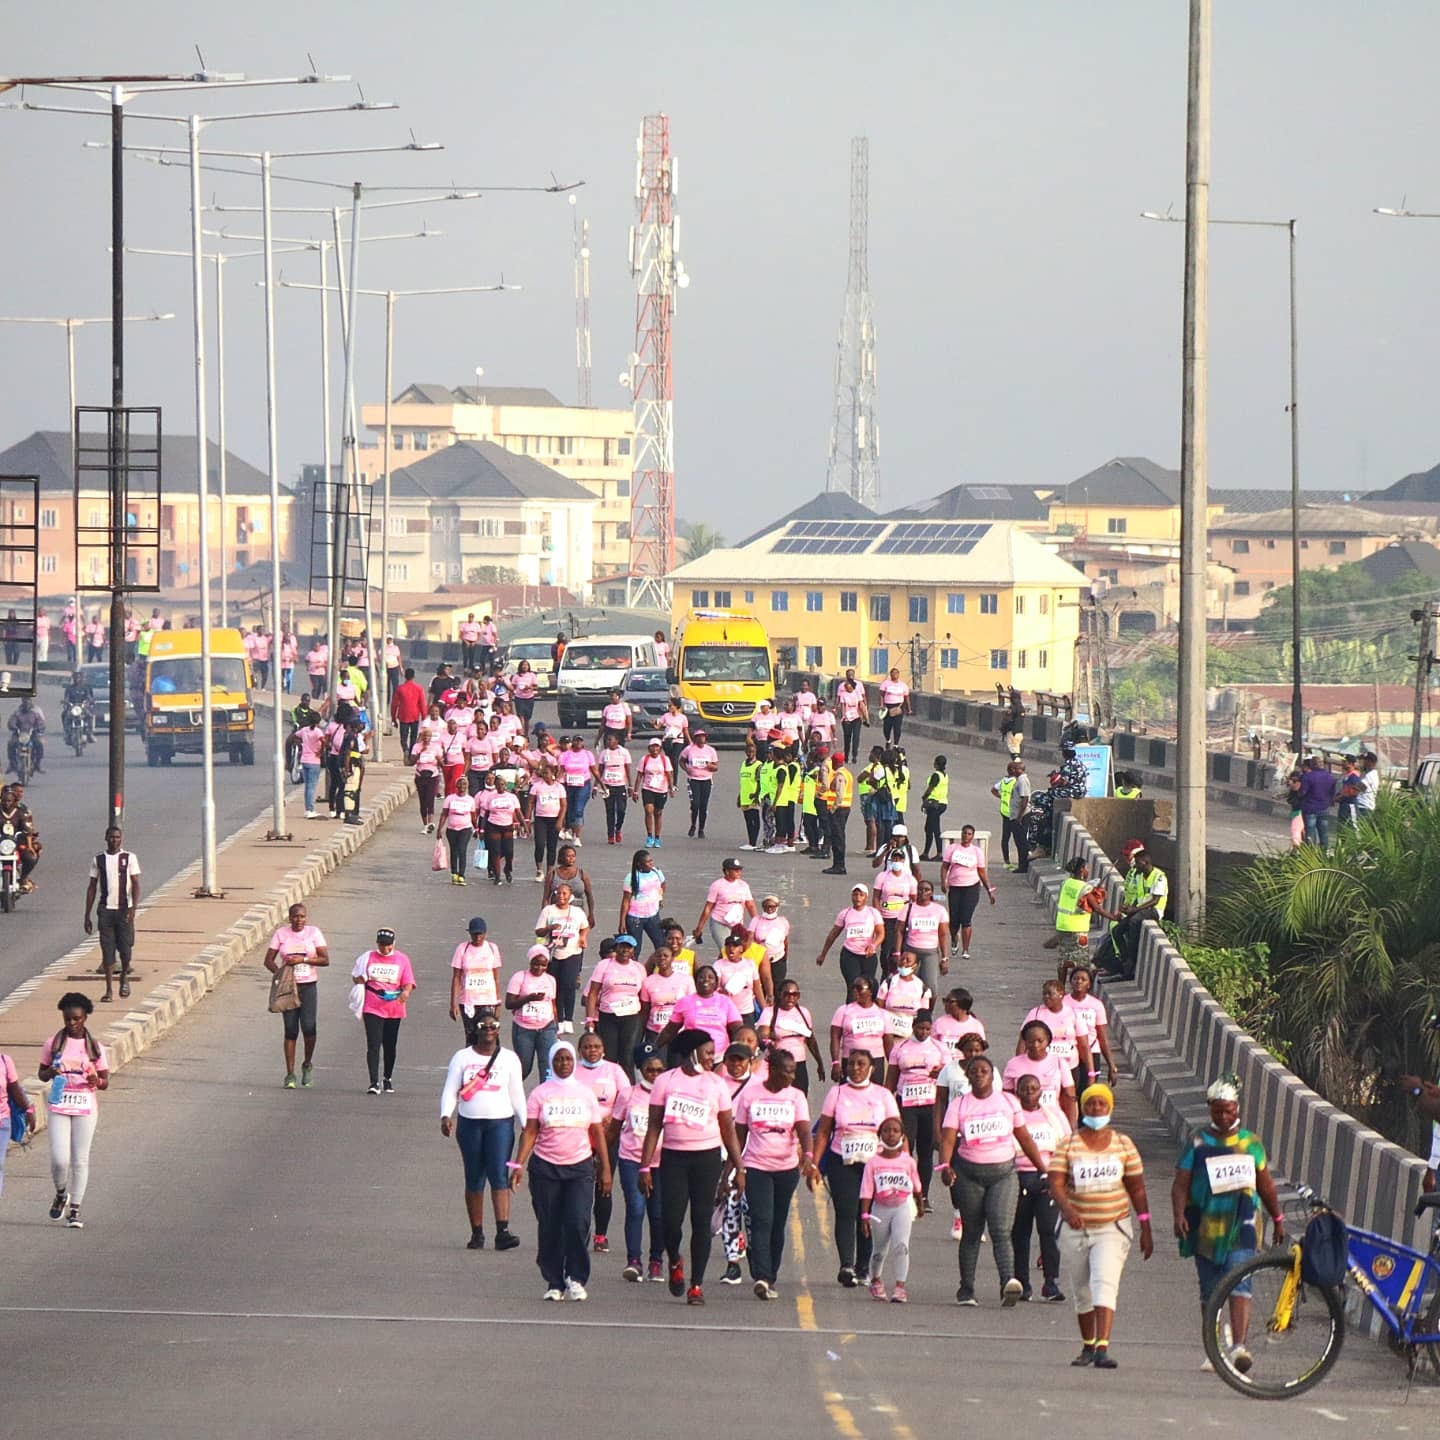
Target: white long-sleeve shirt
x=502 y=1094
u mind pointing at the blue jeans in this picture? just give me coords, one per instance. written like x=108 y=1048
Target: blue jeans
x=1210 y=1274
x=637 y=1209
x=485 y=1147
x=646 y=929
x=311 y=776
x=576 y=799
x=532 y=1046
x=1317 y=830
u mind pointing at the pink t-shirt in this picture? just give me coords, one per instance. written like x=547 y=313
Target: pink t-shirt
x=1064 y=1025
x=632 y=1110
x=712 y=1013
x=1053 y=1076
x=773 y=932
x=548 y=796
x=789 y=1029
x=452 y=748
x=524 y=685
x=985 y=1128
x=575 y=766
x=79 y=1095
x=850 y=702
x=1047 y=1126
x=894 y=892
x=918 y=1061
x=539 y=1010
x=822 y=722
x=614 y=716
x=790 y=723
x=479 y=967
x=1091 y=1014
x=504 y=810
x=656 y=773
x=949 y=1032
x=738 y=979
x=565 y=1109
x=771 y=1116
x=903 y=997
x=858 y=1112
x=862 y=1027
x=893 y=692
x=619 y=985
x=700 y=761
x=962 y=865
x=480 y=752
x=286 y=941
x=889 y=1180
x=674 y=726
x=427 y=757
x=459 y=811
x=729 y=899
x=614 y=766
x=692 y=1106
x=384 y=976
x=604 y=1081
x=857 y=928
x=312 y=745
x=923 y=931
x=660 y=992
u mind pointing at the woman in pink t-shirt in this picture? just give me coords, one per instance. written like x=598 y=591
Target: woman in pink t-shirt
x=957 y=1021
x=653 y=785
x=690 y=1109
x=962 y=878
x=613 y=1005
x=790 y=1027
x=927 y=935
x=982 y=1182
x=504 y=819
x=862 y=930
x=425 y=756
x=1057 y=1084
x=388 y=979
x=728 y=902
x=530 y=999
x=1036 y=1209
x=564 y=1145
x=76 y=1068
x=858 y=1025
x=772 y=1121
x=459 y=820
x=547 y=801
x=577 y=765
x=1069 y=1035
x=630 y=1122
x=661 y=991
x=911 y=1074
x=301 y=946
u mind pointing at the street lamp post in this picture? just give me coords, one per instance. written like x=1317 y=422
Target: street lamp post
x=1297 y=707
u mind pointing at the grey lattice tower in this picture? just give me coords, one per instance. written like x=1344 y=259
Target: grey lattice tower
x=855 y=434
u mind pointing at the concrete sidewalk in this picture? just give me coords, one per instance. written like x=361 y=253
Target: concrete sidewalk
x=184 y=944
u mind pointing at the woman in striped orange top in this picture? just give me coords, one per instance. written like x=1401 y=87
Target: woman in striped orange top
x=1096 y=1178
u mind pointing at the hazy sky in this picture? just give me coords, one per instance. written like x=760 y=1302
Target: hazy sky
x=1028 y=321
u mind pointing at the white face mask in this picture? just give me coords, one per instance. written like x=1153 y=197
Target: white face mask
x=907 y=971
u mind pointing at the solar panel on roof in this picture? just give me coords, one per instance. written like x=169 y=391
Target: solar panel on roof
x=989 y=492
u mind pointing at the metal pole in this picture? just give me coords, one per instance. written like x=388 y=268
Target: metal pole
x=208 y=882
x=220 y=389
x=339 y=518
x=1297 y=697
x=1190 y=809
x=382 y=705
x=328 y=453
x=74 y=446
x=277 y=625
x=118 y=697
x=1423 y=648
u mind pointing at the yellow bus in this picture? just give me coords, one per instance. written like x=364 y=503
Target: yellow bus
x=171 y=716
x=723 y=669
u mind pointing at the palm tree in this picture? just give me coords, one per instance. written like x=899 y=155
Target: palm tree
x=1354 y=951
x=700 y=538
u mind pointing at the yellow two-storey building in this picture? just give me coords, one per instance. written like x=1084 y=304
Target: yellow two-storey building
x=962 y=606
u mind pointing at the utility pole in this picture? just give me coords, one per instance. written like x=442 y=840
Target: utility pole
x=1190 y=786
x=1424 y=660
x=1297 y=694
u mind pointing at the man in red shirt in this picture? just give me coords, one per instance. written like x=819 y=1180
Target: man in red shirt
x=407 y=710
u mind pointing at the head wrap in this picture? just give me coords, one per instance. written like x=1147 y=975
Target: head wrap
x=1227 y=1087
x=1097 y=1090
x=555 y=1049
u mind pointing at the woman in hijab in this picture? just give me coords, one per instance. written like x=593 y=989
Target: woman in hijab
x=564 y=1144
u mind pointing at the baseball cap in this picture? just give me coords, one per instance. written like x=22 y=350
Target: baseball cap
x=384 y=936
x=731 y=863
x=899 y=830
x=626 y=939
x=857 y=886
x=477 y=924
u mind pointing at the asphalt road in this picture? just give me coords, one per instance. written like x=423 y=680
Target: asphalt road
x=264 y=1262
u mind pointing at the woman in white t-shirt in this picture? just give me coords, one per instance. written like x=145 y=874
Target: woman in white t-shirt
x=563 y=927
x=962 y=877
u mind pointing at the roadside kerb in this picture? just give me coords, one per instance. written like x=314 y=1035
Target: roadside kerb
x=263 y=879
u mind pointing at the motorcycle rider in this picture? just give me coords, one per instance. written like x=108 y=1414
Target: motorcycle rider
x=14 y=811
x=79 y=692
x=29 y=720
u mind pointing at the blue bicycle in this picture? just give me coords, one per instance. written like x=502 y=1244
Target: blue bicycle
x=1270 y=1334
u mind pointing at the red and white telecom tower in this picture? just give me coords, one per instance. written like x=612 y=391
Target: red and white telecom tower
x=654 y=241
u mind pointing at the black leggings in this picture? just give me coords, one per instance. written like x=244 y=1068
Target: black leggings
x=851 y=1244
x=890 y=728
x=566 y=974
x=700 y=802
x=752 y=826
x=547 y=839
x=853 y=966
x=933 y=840
x=425 y=784
x=459 y=843
x=850 y=738
x=501 y=845
x=605 y=1204
x=919 y=1123
x=1036 y=1208
x=620 y=1034
x=688 y=1179
x=616 y=802
x=963 y=900
x=380 y=1032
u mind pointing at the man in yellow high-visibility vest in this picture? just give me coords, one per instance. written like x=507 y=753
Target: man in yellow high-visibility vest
x=840 y=791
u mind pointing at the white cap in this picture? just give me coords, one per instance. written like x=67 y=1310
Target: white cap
x=898 y=830
x=864 y=889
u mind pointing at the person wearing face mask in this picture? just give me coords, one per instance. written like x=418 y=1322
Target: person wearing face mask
x=902 y=996
x=926 y=933
x=772 y=930
x=896 y=890
x=1036 y=1208
x=563 y=1144
x=1219 y=1175
x=846 y=1137
x=665 y=984
x=630 y=1120
x=690 y=1113
x=605 y=1080
x=982 y=1131
x=789 y=1027
x=911 y=1072
x=1097 y=1178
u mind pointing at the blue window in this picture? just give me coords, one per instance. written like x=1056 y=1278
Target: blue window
x=955 y=604
x=999 y=659
x=814 y=656
x=814 y=600
x=848 y=657
x=879 y=660
x=849 y=602
x=989 y=604
x=880 y=607
x=949 y=659
x=919 y=609
x=779 y=599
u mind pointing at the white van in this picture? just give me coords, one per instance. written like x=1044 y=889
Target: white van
x=594 y=666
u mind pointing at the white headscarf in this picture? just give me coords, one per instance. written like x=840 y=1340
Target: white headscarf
x=571 y=1078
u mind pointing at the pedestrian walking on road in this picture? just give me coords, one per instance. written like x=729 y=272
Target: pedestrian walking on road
x=963 y=878
x=612 y=1004
x=115 y=882
x=386 y=974
x=484 y=1084
x=641 y=896
x=12 y=1099
x=789 y=1028
x=408 y=705
x=302 y=946
x=458 y=821
x=838 y=794
x=563 y=927
x=653 y=785
x=864 y=930
x=530 y=998
x=474 y=977
x=75 y=1066
x=934 y=802
x=631 y=1118
x=729 y=902
x=1097 y=1178
x=1036 y=1207
x=890 y=1195
x=563 y=1145
x=607 y=1082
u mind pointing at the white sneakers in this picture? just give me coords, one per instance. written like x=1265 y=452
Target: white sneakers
x=553 y=1295
x=576 y=1291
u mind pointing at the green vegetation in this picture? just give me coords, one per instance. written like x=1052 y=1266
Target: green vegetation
x=699 y=538
x=1239 y=978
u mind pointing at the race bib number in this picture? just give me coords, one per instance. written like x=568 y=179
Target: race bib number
x=979 y=1128
x=868 y=1025
x=479 y=987
x=684 y=1110
x=899 y=1023
x=548 y=806
x=917 y=1092
x=733 y=913
x=685 y=960
x=625 y=1005
x=779 y=1114
x=304 y=971
x=384 y=974
x=639 y=1121
x=1229 y=1173
x=612 y=775
x=1097 y=1176
x=1064 y=1049
x=660 y=1016
x=857 y=1146
x=1044 y=1137
x=892 y=1182
x=924 y=924
x=566 y=1114
x=537 y=1011
x=74 y=1102
x=857 y=930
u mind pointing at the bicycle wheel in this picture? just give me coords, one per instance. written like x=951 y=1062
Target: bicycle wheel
x=1295 y=1331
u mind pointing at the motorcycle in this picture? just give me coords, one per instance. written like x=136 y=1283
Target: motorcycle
x=9 y=867
x=24 y=757
x=77 y=727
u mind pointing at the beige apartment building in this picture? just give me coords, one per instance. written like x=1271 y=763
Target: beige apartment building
x=591 y=446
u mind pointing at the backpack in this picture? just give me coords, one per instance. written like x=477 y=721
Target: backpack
x=1325 y=1251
